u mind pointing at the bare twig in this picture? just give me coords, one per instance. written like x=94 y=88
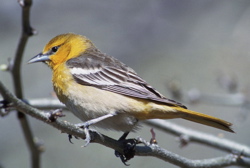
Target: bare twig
x=15 y=64
x=147 y=150
x=156 y=151
x=15 y=69
x=199 y=137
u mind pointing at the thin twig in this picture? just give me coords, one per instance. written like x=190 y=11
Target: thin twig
x=199 y=137
x=156 y=151
x=27 y=31
x=15 y=69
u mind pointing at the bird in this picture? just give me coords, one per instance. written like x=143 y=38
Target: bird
x=104 y=92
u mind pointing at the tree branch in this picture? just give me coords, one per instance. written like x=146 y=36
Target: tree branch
x=147 y=150
x=15 y=69
x=156 y=151
x=199 y=137
x=27 y=31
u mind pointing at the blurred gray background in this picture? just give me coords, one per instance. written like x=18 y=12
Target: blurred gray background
x=189 y=41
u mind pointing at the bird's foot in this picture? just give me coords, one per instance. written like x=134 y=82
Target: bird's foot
x=128 y=151
x=86 y=125
x=87 y=131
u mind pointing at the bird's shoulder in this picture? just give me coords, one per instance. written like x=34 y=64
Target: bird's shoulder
x=94 y=58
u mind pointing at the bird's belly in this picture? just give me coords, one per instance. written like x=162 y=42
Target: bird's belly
x=120 y=122
x=92 y=103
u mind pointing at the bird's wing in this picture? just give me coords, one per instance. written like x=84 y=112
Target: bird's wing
x=109 y=74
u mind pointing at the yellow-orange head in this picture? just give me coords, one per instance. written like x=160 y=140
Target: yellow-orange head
x=62 y=48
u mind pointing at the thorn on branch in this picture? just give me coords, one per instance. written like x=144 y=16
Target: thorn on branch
x=55 y=114
x=153 y=139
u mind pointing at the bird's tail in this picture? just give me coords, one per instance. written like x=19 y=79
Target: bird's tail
x=179 y=112
x=204 y=119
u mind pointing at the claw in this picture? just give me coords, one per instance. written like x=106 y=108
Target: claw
x=122 y=157
x=70 y=137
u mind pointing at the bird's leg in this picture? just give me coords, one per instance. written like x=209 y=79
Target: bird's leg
x=86 y=125
x=128 y=150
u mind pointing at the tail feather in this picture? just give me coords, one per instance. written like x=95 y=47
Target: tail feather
x=170 y=112
x=205 y=119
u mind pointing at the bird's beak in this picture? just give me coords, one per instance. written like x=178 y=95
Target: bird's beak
x=39 y=58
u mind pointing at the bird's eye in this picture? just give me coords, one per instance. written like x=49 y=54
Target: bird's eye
x=54 y=49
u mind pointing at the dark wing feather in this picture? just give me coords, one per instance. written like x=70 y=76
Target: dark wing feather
x=107 y=73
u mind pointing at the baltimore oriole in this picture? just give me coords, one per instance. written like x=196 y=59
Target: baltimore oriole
x=103 y=91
